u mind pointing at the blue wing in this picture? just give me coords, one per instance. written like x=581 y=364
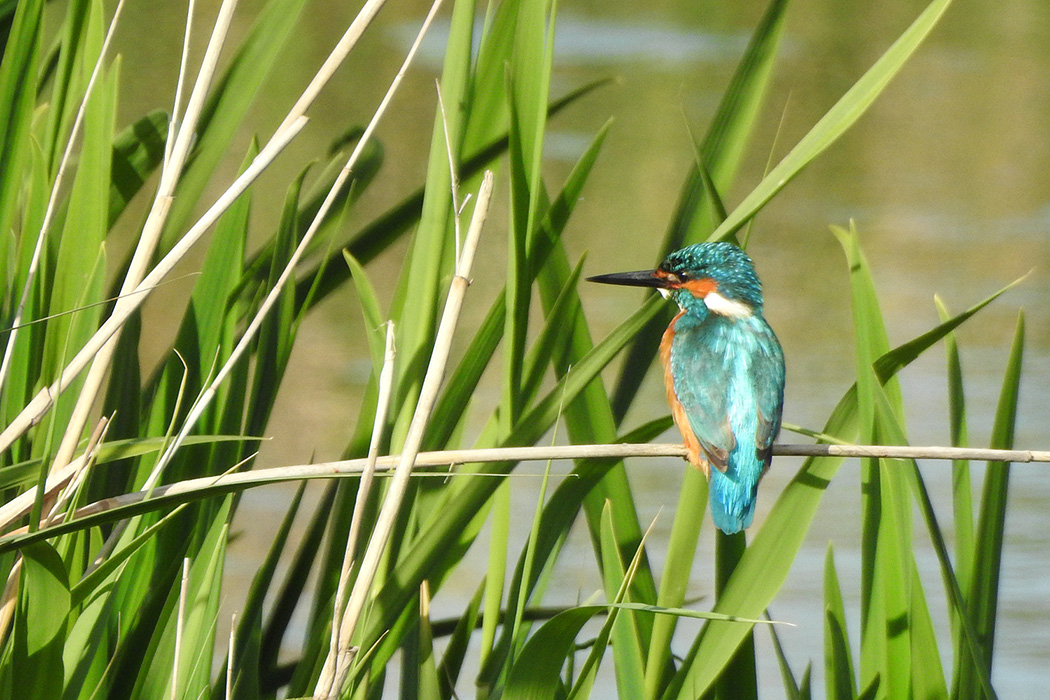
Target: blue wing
x=729 y=378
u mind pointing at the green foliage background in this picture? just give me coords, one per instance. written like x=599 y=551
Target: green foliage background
x=95 y=605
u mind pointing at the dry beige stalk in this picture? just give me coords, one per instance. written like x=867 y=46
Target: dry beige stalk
x=362 y=589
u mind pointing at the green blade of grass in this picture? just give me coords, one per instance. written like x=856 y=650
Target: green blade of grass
x=793 y=690
x=740 y=679
x=620 y=629
x=962 y=501
x=839 y=680
x=929 y=681
x=83 y=234
x=430 y=258
x=247 y=666
x=495 y=576
x=528 y=91
x=838 y=119
x=674 y=580
x=373 y=316
x=456 y=649
x=984 y=587
x=18 y=72
x=886 y=537
x=465 y=495
x=563 y=508
x=77 y=54
x=962 y=492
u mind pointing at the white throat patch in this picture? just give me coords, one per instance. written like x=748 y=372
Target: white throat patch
x=665 y=293
x=726 y=307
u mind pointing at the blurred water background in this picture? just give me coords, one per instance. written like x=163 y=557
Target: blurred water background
x=947 y=178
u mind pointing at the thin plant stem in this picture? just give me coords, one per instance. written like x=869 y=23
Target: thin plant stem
x=180 y=623
x=414 y=438
x=189 y=489
x=231 y=656
x=180 y=83
x=337 y=664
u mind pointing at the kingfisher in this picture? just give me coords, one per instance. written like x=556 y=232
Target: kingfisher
x=723 y=369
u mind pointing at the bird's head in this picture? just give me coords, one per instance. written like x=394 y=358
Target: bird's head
x=702 y=278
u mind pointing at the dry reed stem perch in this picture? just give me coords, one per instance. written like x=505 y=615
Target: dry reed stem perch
x=446 y=458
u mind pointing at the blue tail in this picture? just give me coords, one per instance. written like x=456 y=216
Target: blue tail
x=732 y=500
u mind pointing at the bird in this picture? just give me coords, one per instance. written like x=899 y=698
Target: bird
x=723 y=369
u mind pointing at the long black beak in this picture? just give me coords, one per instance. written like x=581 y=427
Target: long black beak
x=641 y=278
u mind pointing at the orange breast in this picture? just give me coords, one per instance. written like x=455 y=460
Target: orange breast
x=692 y=445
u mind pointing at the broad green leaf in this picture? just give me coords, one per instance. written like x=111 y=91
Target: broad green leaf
x=85 y=644
x=46 y=595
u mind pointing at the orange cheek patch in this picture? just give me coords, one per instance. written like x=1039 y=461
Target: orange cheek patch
x=700 y=288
